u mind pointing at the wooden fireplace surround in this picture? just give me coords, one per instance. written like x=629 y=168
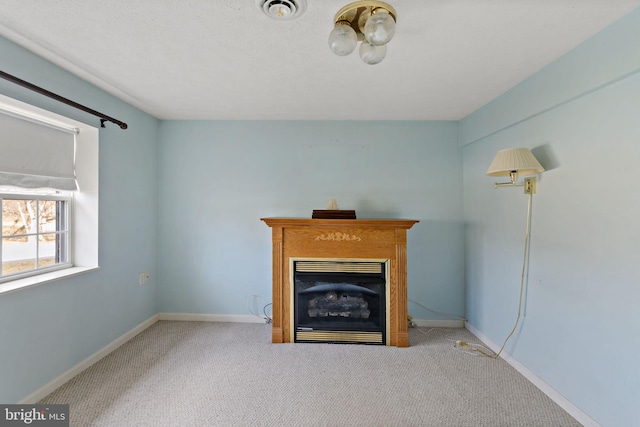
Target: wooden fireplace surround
x=381 y=239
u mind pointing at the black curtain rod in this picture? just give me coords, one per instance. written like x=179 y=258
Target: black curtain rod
x=103 y=117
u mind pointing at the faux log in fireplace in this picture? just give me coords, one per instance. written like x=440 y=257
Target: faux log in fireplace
x=339 y=280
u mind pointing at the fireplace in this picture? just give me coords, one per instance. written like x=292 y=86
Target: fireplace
x=312 y=312
x=339 y=301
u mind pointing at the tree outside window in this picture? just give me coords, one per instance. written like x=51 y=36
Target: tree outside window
x=34 y=234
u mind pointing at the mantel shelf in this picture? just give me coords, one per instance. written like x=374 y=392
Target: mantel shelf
x=365 y=222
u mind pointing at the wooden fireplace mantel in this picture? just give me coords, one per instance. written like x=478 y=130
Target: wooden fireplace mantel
x=384 y=239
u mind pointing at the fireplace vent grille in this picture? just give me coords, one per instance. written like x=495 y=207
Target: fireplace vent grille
x=338 y=267
x=340 y=336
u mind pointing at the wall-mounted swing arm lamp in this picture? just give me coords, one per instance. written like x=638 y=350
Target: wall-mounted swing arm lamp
x=513 y=162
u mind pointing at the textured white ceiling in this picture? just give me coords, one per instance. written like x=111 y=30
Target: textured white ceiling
x=224 y=59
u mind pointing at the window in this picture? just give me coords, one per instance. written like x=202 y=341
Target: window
x=35 y=232
x=48 y=196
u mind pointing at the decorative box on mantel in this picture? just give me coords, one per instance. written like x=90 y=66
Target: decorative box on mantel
x=333 y=214
x=340 y=280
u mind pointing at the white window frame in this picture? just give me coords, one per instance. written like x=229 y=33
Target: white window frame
x=83 y=215
x=46 y=195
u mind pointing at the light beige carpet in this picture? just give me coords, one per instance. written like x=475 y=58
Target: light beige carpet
x=229 y=374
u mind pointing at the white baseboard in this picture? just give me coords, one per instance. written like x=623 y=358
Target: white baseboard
x=247 y=318
x=49 y=388
x=427 y=323
x=554 y=395
x=195 y=317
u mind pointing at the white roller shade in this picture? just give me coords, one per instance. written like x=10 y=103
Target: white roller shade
x=35 y=154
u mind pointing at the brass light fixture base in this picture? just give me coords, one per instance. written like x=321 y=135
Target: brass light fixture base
x=352 y=12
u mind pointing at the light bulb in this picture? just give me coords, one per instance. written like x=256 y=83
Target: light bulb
x=362 y=20
x=342 y=39
x=372 y=54
x=280 y=11
x=380 y=28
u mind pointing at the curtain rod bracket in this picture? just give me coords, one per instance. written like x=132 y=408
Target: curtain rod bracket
x=103 y=117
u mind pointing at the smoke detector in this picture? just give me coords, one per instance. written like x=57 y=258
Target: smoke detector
x=282 y=10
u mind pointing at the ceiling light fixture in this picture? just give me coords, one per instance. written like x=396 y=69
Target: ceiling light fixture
x=371 y=22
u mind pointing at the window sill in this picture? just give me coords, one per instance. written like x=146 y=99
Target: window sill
x=27 y=282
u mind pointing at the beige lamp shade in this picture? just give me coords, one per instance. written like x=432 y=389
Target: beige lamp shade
x=519 y=160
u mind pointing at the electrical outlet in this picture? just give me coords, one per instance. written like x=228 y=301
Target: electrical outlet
x=143 y=278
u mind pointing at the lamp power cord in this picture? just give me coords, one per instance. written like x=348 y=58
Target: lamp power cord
x=479 y=349
x=525 y=272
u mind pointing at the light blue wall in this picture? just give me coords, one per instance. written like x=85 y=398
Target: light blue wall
x=218 y=179
x=580 y=116
x=46 y=330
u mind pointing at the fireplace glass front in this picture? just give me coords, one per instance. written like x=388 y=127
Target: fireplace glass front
x=341 y=301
